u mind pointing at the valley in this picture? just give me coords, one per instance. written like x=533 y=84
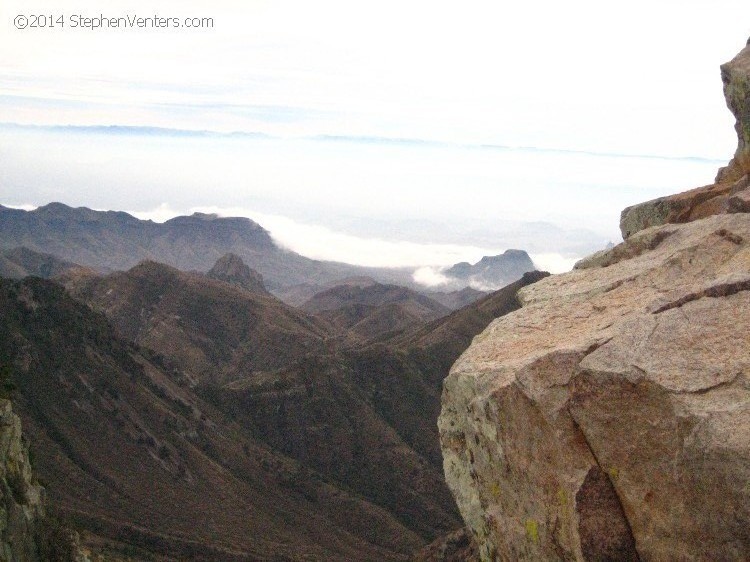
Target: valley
x=189 y=415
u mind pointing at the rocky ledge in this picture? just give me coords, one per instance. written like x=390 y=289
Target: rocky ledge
x=609 y=417
x=731 y=191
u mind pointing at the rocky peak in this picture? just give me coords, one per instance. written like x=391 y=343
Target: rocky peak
x=231 y=269
x=493 y=271
x=731 y=191
x=609 y=417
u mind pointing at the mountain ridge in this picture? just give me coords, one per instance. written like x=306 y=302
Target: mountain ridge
x=115 y=240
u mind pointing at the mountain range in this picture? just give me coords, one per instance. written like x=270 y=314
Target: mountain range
x=196 y=416
x=116 y=241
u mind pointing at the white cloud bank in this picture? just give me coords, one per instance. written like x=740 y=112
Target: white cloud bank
x=319 y=242
x=23 y=207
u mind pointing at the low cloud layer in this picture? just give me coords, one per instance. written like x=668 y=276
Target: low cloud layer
x=322 y=243
x=318 y=242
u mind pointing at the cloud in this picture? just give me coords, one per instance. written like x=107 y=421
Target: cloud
x=319 y=242
x=430 y=277
x=24 y=207
x=340 y=71
x=162 y=213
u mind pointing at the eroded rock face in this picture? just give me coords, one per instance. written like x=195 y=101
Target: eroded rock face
x=609 y=418
x=20 y=498
x=730 y=193
x=736 y=78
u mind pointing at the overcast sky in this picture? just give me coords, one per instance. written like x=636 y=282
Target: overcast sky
x=575 y=74
x=632 y=78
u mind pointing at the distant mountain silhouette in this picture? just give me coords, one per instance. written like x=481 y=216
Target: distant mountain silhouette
x=113 y=240
x=493 y=271
x=233 y=270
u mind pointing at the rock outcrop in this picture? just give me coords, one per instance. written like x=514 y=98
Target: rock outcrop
x=493 y=272
x=231 y=269
x=21 y=497
x=731 y=191
x=609 y=417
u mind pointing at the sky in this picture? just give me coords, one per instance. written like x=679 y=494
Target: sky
x=588 y=106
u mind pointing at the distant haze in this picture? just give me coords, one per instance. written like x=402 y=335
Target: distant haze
x=362 y=203
x=387 y=133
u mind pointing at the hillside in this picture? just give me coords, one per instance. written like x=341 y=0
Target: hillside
x=132 y=455
x=363 y=417
x=208 y=328
x=277 y=372
x=436 y=345
x=373 y=310
x=458 y=298
x=20 y=262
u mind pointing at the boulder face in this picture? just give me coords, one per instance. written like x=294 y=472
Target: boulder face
x=731 y=191
x=609 y=417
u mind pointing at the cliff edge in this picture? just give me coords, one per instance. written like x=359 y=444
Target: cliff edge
x=731 y=191
x=21 y=498
x=609 y=417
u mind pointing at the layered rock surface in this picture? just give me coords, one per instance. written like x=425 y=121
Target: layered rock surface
x=609 y=417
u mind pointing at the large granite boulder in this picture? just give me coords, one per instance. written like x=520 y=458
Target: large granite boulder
x=609 y=418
